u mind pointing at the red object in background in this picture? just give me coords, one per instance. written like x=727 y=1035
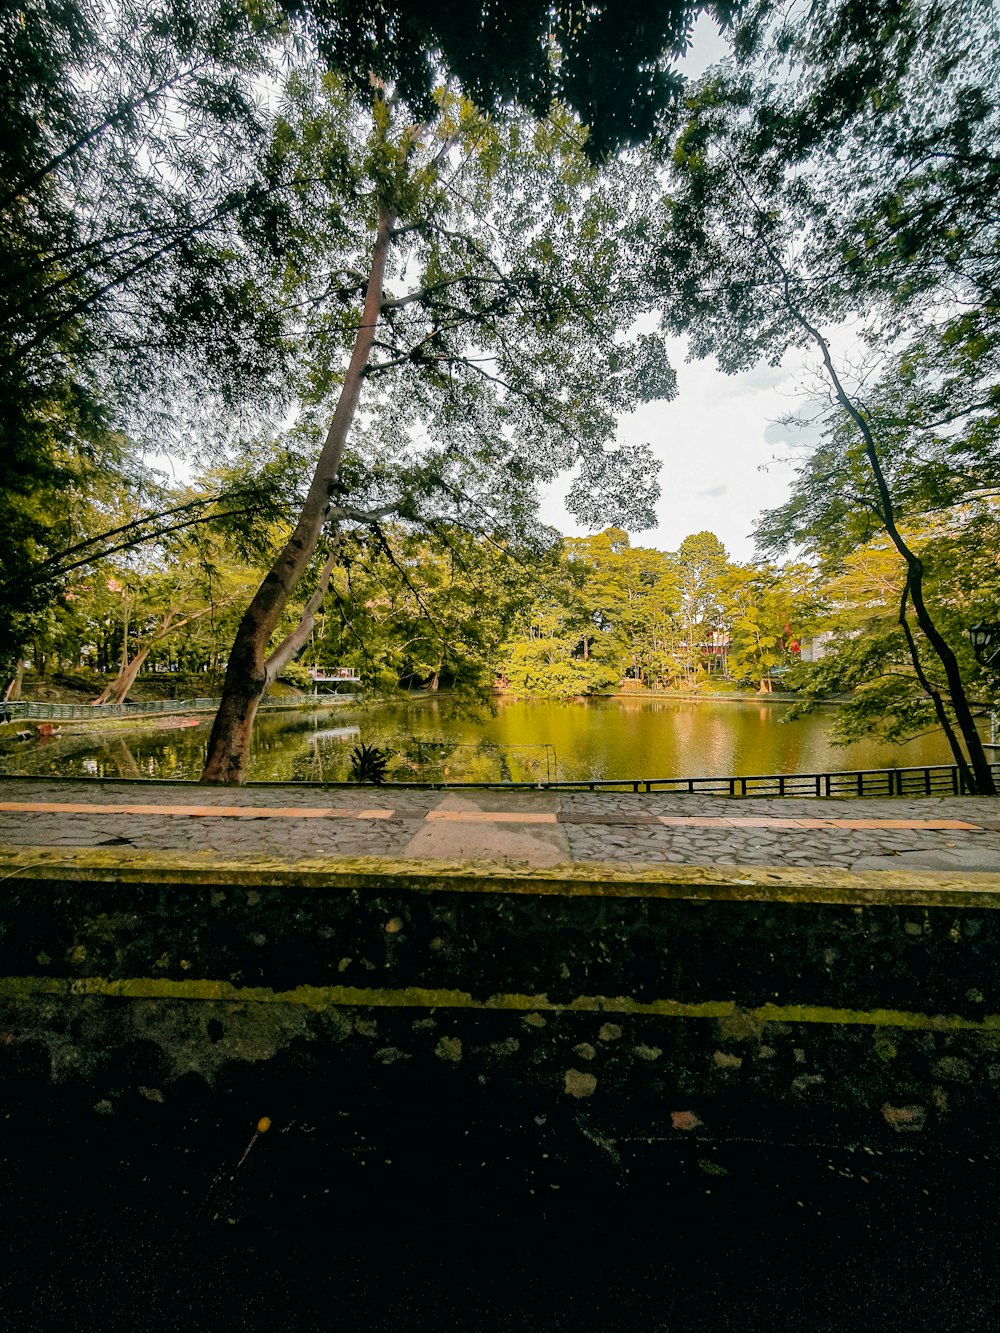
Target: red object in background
x=793 y=647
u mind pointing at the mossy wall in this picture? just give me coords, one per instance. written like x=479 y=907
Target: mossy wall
x=609 y=1007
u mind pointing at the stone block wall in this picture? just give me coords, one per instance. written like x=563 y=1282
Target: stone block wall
x=607 y=1010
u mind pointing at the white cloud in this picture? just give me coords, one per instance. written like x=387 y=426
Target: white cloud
x=723 y=461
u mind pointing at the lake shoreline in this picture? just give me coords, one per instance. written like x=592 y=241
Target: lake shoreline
x=433 y=737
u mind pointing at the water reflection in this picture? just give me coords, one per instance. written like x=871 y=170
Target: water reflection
x=507 y=740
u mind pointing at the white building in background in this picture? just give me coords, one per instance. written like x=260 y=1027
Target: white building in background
x=813 y=646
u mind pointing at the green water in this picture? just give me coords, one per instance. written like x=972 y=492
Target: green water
x=511 y=740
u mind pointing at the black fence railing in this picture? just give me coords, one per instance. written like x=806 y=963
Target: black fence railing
x=924 y=780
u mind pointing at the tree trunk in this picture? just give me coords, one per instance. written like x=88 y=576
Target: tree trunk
x=13 y=690
x=435 y=680
x=250 y=670
x=123 y=759
x=933 y=694
x=982 y=774
x=117 y=691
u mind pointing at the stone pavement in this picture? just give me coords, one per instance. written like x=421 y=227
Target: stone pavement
x=523 y=828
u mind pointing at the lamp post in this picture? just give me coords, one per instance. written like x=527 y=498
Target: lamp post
x=985 y=640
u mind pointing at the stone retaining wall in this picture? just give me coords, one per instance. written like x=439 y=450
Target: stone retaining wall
x=611 y=1008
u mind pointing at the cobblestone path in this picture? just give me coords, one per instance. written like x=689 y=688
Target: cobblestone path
x=513 y=828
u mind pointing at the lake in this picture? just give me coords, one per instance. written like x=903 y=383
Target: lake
x=511 y=740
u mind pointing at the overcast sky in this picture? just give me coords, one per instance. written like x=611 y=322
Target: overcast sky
x=724 y=456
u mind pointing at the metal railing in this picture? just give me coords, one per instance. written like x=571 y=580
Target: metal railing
x=922 y=780
x=23 y=710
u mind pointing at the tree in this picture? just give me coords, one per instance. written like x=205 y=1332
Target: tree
x=128 y=185
x=145 y=226
x=802 y=198
x=502 y=365
x=762 y=612
x=628 y=597
x=410 y=608
x=868 y=662
x=701 y=559
x=612 y=65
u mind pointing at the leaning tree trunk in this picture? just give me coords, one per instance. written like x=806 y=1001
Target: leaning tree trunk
x=117 y=691
x=976 y=768
x=13 y=690
x=250 y=670
x=977 y=764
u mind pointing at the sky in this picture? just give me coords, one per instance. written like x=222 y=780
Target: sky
x=724 y=455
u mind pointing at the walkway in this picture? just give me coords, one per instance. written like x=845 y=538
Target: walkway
x=526 y=829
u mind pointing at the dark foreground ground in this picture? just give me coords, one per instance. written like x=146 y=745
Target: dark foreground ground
x=140 y=1219
x=409 y=1197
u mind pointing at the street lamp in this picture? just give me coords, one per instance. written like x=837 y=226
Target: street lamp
x=985 y=640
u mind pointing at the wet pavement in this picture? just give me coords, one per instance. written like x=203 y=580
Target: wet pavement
x=534 y=829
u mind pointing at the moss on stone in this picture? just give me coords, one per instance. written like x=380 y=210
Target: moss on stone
x=323 y=998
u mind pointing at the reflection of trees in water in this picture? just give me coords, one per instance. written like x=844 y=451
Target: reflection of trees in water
x=58 y=756
x=286 y=748
x=455 y=760
x=659 y=739
x=113 y=753
x=476 y=710
x=122 y=759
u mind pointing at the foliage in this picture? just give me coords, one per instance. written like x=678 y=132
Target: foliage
x=811 y=189
x=608 y=63
x=148 y=223
x=868 y=664
x=543 y=667
x=412 y=609
x=498 y=278
x=297 y=675
x=610 y=613
x=127 y=173
x=369 y=764
x=764 y=611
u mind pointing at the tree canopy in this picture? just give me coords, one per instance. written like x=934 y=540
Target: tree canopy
x=375 y=272
x=157 y=211
x=816 y=187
